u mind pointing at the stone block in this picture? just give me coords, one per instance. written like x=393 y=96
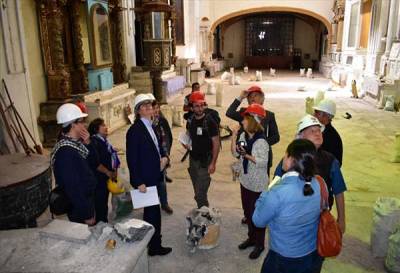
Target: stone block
x=66 y=231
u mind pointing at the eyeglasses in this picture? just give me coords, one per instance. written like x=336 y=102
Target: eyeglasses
x=81 y=120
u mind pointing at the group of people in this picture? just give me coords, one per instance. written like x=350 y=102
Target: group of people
x=289 y=205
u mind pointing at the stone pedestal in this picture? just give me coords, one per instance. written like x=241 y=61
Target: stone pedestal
x=183 y=67
x=140 y=80
x=198 y=75
x=63 y=246
x=110 y=105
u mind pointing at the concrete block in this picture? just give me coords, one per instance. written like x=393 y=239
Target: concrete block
x=66 y=231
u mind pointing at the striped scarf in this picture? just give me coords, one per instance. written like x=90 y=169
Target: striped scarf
x=67 y=141
x=115 y=162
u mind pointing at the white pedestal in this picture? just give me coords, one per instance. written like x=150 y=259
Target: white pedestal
x=110 y=105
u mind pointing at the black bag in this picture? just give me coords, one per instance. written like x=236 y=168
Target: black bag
x=59 y=202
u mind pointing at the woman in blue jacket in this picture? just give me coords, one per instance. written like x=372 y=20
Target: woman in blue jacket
x=291 y=210
x=104 y=162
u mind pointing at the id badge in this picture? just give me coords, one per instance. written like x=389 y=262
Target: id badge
x=199 y=131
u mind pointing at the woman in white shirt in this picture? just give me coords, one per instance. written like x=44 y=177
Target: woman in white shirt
x=252 y=149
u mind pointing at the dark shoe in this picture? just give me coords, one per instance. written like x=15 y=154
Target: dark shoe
x=167 y=179
x=159 y=251
x=167 y=209
x=246 y=244
x=244 y=220
x=256 y=252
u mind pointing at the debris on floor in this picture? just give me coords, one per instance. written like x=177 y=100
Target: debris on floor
x=203 y=228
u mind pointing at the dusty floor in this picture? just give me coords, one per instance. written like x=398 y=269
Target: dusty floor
x=368 y=139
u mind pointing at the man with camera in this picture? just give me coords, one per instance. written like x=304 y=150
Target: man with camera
x=204 y=133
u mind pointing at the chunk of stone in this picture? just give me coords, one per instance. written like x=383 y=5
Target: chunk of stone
x=392 y=261
x=132 y=230
x=386 y=218
x=66 y=231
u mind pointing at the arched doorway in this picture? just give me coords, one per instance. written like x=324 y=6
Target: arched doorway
x=279 y=37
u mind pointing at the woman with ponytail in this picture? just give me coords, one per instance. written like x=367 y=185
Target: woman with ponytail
x=291 y=209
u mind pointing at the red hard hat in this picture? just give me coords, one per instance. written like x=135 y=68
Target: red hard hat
x=254 y=88
x=82 y=106
x=197 y=97
x=255 y=109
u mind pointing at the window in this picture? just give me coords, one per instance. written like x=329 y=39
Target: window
x=353 y=25
x=269 y=35
x=365 y=22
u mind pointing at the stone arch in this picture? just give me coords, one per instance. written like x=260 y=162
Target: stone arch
x=321 y=18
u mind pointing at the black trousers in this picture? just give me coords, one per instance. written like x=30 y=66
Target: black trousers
x=152 y=215
x=101 y=202
x=249 y=198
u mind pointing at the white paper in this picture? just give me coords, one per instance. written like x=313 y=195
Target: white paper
x=185 y=139
x=147 y=199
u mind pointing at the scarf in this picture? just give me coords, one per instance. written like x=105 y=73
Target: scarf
x=249 y=147
x=115 y=162
x=67 y=141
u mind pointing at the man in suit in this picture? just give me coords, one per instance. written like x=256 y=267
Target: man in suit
x=146 y=160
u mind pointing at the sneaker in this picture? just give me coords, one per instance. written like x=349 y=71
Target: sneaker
x=256 y=252
x=161 y=251
x=167 y=209
x=245 y=244
x=168 y=179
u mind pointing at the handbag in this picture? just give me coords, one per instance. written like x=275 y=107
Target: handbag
x=329 y=242
x=58 y=201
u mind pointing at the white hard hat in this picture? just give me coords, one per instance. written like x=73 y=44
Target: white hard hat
x=308 y=121
x=69 y=112
x=151 y=96
x=140 y=99
x=327 y=106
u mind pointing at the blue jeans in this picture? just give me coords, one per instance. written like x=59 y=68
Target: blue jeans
x=275 y=263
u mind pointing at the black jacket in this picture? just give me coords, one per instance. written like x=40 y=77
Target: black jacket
x=332 y=142
x=142 y=156
x=269 y=124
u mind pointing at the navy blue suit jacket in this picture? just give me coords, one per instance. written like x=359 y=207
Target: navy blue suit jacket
x=142 y=156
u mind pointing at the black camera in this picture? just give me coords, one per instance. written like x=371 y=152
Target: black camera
x=241 y=145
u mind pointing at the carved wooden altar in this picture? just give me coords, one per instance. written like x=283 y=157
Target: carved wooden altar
x=71 y=62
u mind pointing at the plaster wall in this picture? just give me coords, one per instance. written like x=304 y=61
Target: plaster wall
x=305 y=39
x=34 y=58
x=234 y=42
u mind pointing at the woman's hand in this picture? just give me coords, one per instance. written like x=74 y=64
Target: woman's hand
x=85 y=136
x=241 y=150
x=90 y=222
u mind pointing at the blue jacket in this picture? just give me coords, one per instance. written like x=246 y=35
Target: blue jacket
x=72 y=173
x=142 y=156
x=291 y=217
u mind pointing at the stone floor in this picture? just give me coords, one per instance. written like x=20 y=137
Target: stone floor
x=368 y=139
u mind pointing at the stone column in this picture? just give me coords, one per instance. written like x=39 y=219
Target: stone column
x=340 y=36
x=391 y=26
x=334 y=32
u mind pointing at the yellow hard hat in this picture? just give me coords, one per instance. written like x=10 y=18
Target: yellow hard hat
x=115 y=187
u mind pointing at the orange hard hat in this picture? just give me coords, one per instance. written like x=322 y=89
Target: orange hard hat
x=255 y=109
x=254 y=88
x=197 y=97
